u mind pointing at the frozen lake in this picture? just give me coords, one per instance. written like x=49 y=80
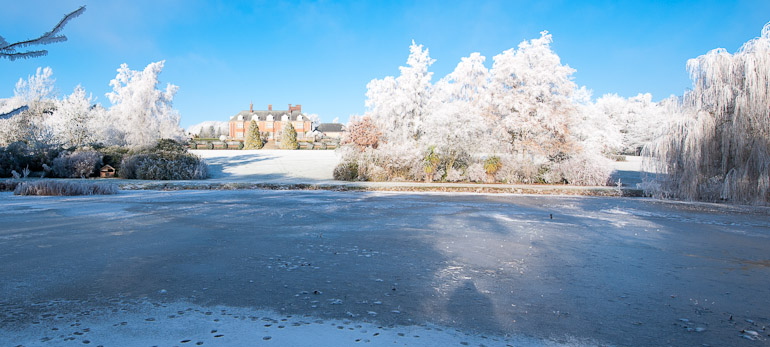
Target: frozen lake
x=346 y=268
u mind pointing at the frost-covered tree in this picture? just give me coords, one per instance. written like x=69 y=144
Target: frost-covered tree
x=525 y=109
x=253 y=140
x=530 y=96
x=638 y=120
x=456 y=126
x=289 y=137
x=718 y=148
x=9 y=50
x=33 y=100
x=72 y=121
x=401 y=104
x=141 y=111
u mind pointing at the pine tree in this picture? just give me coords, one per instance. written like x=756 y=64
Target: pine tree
x=253 y=140
x=289 y=137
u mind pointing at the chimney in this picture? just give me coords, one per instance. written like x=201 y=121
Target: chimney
x=270 y=107
x=299 y=108
x=289 y=108
x=251 y=107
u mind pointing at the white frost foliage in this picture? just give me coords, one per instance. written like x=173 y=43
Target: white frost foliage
x=637 y=119
x=36 y=95
x=72 y=120
x=456 y=126
x=530 y=91
x=38 y=87
x=526 y=109
x=400 y=104
x=719 y=148
x=143 y=113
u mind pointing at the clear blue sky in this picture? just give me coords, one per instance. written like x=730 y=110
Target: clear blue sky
x=225 y=54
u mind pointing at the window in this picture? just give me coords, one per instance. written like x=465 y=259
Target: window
x=300 y=135
x=284 y=118
x=297 y=125
x=269 y=125
x=299 y=117
x=270 y=118
x=270 y=135
x=239 y=135
x=240 y=125
x=240 y=117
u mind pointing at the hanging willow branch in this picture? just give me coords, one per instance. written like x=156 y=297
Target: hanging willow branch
x=8 y=50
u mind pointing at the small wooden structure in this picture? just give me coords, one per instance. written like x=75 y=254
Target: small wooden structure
x=107 y=172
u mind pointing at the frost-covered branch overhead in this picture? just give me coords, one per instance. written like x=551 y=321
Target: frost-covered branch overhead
x=9 y=50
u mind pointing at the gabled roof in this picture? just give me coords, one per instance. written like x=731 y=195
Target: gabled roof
x=262 y=115
x=331 y=127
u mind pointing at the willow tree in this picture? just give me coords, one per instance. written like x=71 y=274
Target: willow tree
x=253 y=140
x=719 y=147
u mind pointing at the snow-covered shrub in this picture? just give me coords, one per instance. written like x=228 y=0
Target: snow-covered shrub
x=584 y=171
x=8 y=185
x=362 y=133
x=14 y=157
x=163 y=167
x=167 y=160
x=64 y=188
x=454 y=175
x=476 y=172
x=346 y=171
x=193 y=145
x=80 y=164
x=209 y=145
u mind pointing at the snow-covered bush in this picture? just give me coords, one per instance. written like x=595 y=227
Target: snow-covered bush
x=362 y=133
x=346 y=171
x=14 y=157
x=718 y=147
x=167 y=160
x=476 y=172
x=64 y=188
x=8 y=185
x=77 y=164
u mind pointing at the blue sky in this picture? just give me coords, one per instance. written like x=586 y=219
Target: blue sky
x=225 y=54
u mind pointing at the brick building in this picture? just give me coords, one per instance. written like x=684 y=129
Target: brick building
x=270 y=121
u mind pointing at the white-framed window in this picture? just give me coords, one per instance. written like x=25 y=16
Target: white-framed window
x=240 y=117
x=300 y=135
x=297 y=125
x=239 y=135
x=269 y=125
x=240 y=125
x=270 y=118
x=284 y=118
x=299 y=117
x=270 y=135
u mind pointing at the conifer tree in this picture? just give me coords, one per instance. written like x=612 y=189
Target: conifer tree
x=253 y=140
x=289 y=137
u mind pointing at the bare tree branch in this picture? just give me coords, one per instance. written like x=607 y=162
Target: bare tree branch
x=9 y=52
